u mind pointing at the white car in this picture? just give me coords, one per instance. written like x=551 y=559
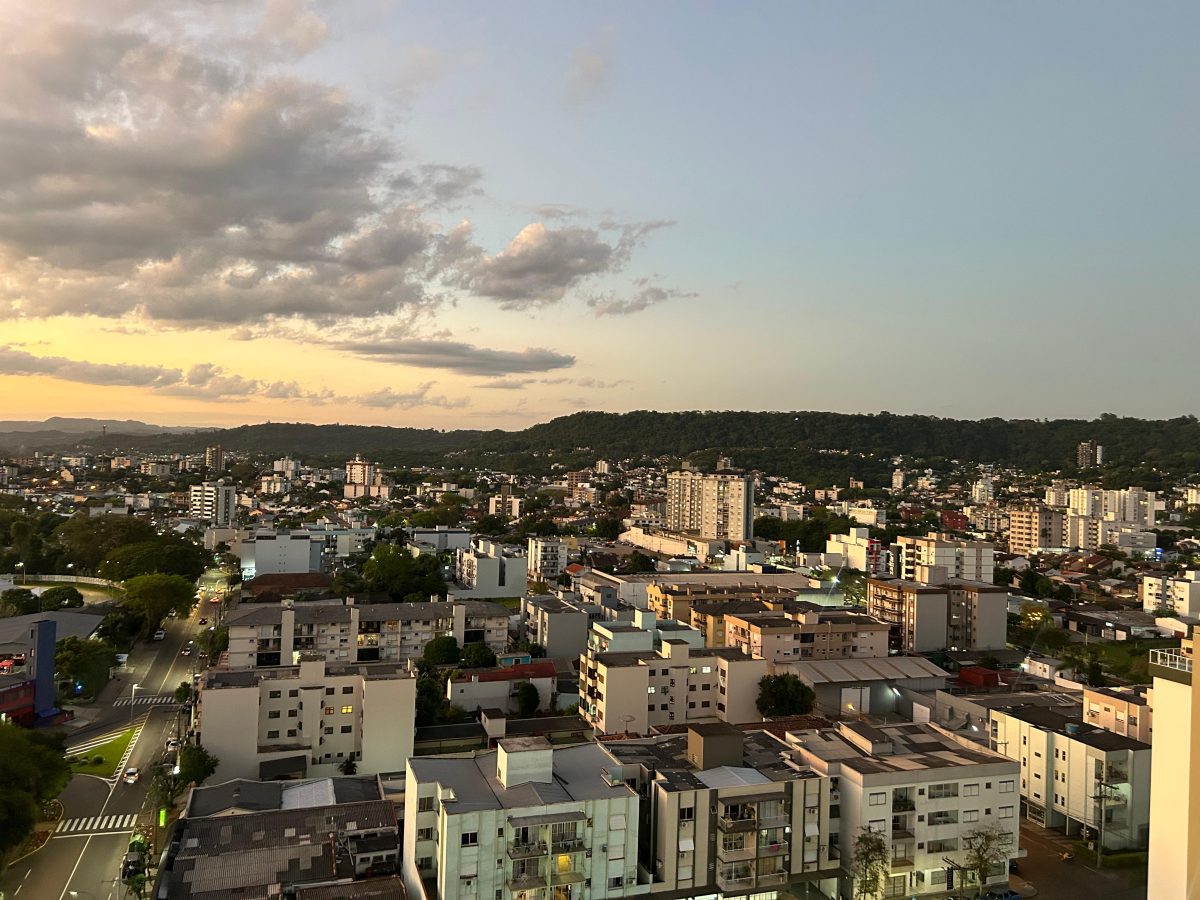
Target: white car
x=131 y=775
x=159 y=635
x=173 y=744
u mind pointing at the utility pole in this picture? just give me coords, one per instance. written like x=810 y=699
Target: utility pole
x=1100 y=796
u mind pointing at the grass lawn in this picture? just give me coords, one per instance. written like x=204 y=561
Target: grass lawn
x=109 y=755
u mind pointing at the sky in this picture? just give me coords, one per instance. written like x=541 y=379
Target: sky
x=483 y=215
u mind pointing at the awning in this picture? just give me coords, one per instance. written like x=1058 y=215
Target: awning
x=569 y=815
x=285 y=767
x=811 y=829
x=686 y=845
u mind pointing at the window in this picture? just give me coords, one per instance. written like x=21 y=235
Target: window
x=705 y=669
x=292 y=713
x=274 y=695
x=273 y=714
x=970 y=790
x=291 y=732
x=876 y=825
x=425 y=863
x=616 y=881
x=1006 y=787
x=348 y=690
x=705 y=703
x=329 y=710
x=328 y=692
x=293 y=693
x=943 y=846
x=687 y=813
x=652 y=690
x=425 y=834
x=940 y=791
x=878 y=799
x=329 y=730
x=1005 y=812
x=272 y=734
x=425 y=804
x=346 y=710
x=470 y=839
x=945 y=817
x=970 y=815
x=346 y=729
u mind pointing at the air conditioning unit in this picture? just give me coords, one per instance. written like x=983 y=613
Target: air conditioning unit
x=631 y=879
x=603 y=848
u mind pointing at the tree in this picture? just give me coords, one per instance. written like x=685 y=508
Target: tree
x=62 y=596
x=607 y=529
x=784 y=695
x=18 y=602
x=184 y=692
x=441 y=651
x=153 y=596
x=478 y=655
x=86 y=663
x=431 y=699
x=348 y=766
x=528 y=699
x=86 y=541
x=639 y=563
x=32 y=770
x=196 y=764
x=170 y=555
x=393 y=569
x=870 y=863
x=987 y=847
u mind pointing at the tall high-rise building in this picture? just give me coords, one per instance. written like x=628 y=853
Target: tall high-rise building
x=213 y=501
x=1033 y=528
x=1089 y=454
x=717 y=507
x=1174 y=869
x=214 y=459
x=359 y=471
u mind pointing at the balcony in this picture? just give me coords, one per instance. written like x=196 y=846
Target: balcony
x=567 y=845
x=774 y=818
x=734 y=881
x=903 y=803
x=522 y=880
x=770 y=878
x=773 y=848
x=568 y=877
x=901 y=862
x=741 y=823
x=735 y=854
x=523 y=850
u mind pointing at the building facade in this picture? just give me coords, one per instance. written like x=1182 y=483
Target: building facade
x=718 y=506
x=954 y=615
x=214 y=502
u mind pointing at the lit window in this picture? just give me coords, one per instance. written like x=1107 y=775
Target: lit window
x=346 y=710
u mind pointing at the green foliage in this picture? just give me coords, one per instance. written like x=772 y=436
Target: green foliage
x=85 y=662
x=184 y=692
x=61 y=596
x=18 y=602
x=808 y=535
x=393 y=569
x=870 y=864
x=987 y=847
x=213 y=642
x=32 y=770
x=784 y=695
x=431 y=700
x=196 y=764
x=86 y=541
x=528 y=699
x=637 y=563
x=169 y=554
x=152 y=596
x=607 y=529
x=478 y=655
x=441 y=651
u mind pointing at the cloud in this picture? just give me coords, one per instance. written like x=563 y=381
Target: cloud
x=609 y=304
x=18 y=362
x=459 y=357
x=291 y=28
x=541 y=264
x=516 y=384
x=386 y=398
x=590 y=67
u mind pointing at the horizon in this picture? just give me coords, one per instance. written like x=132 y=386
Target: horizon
x=421 y=216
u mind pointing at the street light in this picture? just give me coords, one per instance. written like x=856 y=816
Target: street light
x=21 y=566
x=132 y=693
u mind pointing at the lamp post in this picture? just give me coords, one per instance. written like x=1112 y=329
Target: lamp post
x=21 y=566
x=132 y=694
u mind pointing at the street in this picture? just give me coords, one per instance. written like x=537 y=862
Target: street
x=83 y=857
x=1056 y=879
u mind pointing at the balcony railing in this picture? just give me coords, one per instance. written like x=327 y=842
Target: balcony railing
x=772 y=878
x=567 y=845
x=731 y=881
x=525 y=850
x=735 y=854
x=569 y=877
x=742 y=823
x=901 y=862
x=903 y=804
x=521 y=880
x=1171 y=659
x=773 y=848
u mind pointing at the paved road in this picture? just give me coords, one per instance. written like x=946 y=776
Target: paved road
x=102 y=813
x=1058 y=880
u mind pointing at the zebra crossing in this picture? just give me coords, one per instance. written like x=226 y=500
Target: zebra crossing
x=98 y=824
x=146 y=700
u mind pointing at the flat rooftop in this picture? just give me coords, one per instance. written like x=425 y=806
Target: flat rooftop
x=910 y=748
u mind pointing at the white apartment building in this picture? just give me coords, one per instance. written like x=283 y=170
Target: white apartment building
x=1191 y=496
x=513 y=507
x=362 y=480
x=1091 y=533
x=1033 y=528
x=213 y=501
x=1133 y=506
x=1175 y=777
x=558 y=626
x=439 y=539
x=855 y=550
x=920 y=788
x=306 y=720
x=1121 y=710
x=489 y=569
x=718 y=506
x=966 y=560
x=812 y=634
x=629 y=691
x=547 y=559
x=953 y=615
x=1075 y=776
x=279 y=553
x=527 y=821
x=272 y=635
x=1181 y=594
x=983 y=491
x=732 y=812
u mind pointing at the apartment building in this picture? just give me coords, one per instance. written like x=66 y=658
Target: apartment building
x=674 y=600
x=527 y=821
x=1180 y=594
x=855 y=550
x=924 y=791
x=1089 y=454
x=477 y=689
x=729 y=813
x=272 y=635
x=280 y=553
x=1121 y=710
x=1091 y=533
x=718 y=506
x=558 y=626
x=966 y=560
x=1175 y=777
x=488 y=569
x=630 y=691
x=513 y=507
x=954 y=615
x=306 y=720
x=1075 y=776
x=1134 y=506
x=1034 y=528
x=363 y=480
x=806 y=635
x=213 y=502
x=547 y=559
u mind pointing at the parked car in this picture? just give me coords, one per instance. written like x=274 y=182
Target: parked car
x=133 y=864
x=159 y=635
x=1002 y=894
x=132 y=775
x=186 y=651
x=173 y=744
x=204 y=621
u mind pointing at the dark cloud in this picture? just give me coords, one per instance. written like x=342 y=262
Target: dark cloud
x=18 y=362
x=459 y=357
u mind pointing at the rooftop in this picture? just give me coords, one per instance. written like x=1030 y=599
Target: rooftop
x=909 y=748
x=1071 y=727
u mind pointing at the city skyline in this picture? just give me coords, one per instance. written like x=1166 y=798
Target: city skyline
x=459 y=217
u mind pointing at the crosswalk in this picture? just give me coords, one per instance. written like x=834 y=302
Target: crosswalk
x=146 y=700
x=98 y=824
x=93 y=743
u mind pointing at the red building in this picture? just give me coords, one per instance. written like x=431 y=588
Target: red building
x=953 y=520
x=17 y=702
